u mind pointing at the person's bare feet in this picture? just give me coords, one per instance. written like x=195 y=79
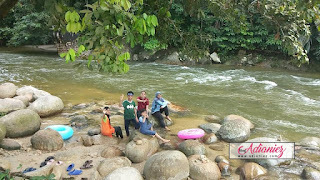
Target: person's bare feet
x=167 y=128
x=166 y=140
x=169 y=119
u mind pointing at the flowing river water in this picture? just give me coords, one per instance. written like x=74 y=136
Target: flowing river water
x=278 y=102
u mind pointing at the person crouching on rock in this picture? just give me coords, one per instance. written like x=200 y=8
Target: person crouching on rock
x=159 y=105
x=146 y=128
x=106 y=128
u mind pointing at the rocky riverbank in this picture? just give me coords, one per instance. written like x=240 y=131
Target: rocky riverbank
x=24 y=141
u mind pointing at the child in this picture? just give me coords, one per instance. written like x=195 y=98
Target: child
x=146 y=128
x=106 y=128
x=143 y=103
x=130 y=111
x=159 y=105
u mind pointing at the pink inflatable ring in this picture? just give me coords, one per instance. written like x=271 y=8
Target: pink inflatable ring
x=191 y=133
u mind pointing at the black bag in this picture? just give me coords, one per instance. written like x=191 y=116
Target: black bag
x=118 y=131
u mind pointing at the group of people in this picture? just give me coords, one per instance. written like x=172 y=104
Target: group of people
x=138 y=115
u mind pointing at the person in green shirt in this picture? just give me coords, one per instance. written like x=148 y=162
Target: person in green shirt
x=130 y=111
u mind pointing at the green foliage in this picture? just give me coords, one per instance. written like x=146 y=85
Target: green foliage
x=6 y=175
x=107 y=25
x=25 y=25
x=154 y=45
x=2 y=114
x=48 y=177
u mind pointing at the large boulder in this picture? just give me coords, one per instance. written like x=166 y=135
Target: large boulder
x=79 y=121
x=203 y=168
x=138 y=150
x=167 y=165
x=210 y=127
x=110 y=164
x=111 y=151
x=234 y=131
x=215 y=58
x=125 y=173
x=47 y=105
x=310 y=142
x=310 y=174
x=24 y=99
x=21 y=123
x=136 y=135
x=7 y=90
x=233 y=117
x=47 y=139
x=10 y=144
x=250 y=170
x=3 y=131
x=26 y=90
x=191 y=147
x=10 y=104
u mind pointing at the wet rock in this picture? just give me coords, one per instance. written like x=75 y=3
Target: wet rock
x=47 y=139
x=209 y=138
x=47 y=105
x=210 y=127
x=225 y=168
x=234 y=131
x=24 y=99
x=212 y=119
x=215 y=58
x=3 y=131
x=191 y=147
x=203 y=168
x=250 y=170
x=124 y=174
x=80 y=106
x=79 y=121
x=111 y=151
x=108 y=165
x=221 y=158
x=217 y=147
x=96 y=111
x=167 y=165
x=310 y=174
x=10 y=144
x=137 y=156
x=31 y=90
x=21 y=123
x=172 y=59
x=310 y=142
x=9 y=104
x=169 y=146
x=233 y=117
x=94 y=131
x=7 y=90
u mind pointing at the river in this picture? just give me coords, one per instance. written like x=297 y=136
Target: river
x=278 y=102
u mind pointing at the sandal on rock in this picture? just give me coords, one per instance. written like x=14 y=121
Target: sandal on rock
x=29 y=170
x=70 y=167
x=87 y=165
x=75 y=172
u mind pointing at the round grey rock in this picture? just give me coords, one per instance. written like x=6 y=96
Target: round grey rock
x=310 y=174
x=170 y=164
x=3 y=131
x=7 y=90
x=94 y=131
x=210 y=127
x=47 y=139
x=21 y=123
x=10 y=144
x=125 y=173
x=212 y=119
x=234 y=131
x=209 y=138
x=24 y=99
x=11 y=104
x=310 y=142
x=111 y=151
x=108 y=165
x=47 y=105
x=250 y=170
x=191 y=147
x=203 y=168
x=31 y=90
x=137 y=151
x=233 y=117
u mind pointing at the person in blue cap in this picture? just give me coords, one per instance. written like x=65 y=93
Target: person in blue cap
x=130 y=111
x=159 y=105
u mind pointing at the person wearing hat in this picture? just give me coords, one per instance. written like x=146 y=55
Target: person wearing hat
x=130 y=112
x=159 y=105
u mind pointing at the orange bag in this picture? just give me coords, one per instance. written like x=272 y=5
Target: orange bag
x=106 y=128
